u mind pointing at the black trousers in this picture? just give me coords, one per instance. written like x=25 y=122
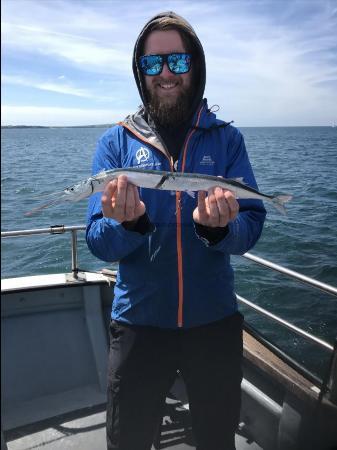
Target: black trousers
x=143 y=364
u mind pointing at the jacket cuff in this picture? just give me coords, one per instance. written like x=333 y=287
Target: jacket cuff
x=143 y=225
x=211 y=235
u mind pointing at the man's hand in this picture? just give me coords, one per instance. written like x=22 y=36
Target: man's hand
x=217 y=209
x=121 y=202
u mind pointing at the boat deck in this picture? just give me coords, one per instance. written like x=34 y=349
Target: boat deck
x=86 y=431
x=89 y=434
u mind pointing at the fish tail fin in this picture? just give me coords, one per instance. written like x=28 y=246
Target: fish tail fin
x=279 y=202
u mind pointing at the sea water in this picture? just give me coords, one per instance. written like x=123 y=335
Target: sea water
x=301 y=161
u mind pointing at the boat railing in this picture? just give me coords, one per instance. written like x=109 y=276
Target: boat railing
x=329 y=289
x=54 y=229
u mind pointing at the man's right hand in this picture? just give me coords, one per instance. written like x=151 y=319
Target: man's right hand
x=121 y=202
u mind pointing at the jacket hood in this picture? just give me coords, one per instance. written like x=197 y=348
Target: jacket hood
x=197 y=52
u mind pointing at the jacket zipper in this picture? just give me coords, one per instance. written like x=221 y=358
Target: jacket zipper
x=180 y=318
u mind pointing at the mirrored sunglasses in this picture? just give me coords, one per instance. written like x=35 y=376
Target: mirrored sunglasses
x=177 y=63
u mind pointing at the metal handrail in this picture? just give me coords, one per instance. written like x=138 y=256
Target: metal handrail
x=285 y=323
x=54 y=229
x=60 y=229
x=291 y=273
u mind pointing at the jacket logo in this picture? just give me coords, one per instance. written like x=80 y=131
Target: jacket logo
x=207 y=161
x=142 y=155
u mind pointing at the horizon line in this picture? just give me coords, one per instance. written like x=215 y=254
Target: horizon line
x=333 y=125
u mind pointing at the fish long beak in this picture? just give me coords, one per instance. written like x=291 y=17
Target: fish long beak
x=39 y=208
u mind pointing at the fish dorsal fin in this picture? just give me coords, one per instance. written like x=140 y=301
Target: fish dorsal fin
x=100 y=175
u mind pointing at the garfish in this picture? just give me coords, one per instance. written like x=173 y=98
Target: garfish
x=157 y=179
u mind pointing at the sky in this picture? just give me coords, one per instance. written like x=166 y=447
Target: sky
x=69 y=62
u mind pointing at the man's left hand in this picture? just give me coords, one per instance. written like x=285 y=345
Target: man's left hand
x=216 y=209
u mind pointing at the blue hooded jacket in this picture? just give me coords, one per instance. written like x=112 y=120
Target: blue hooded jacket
x=171 y=276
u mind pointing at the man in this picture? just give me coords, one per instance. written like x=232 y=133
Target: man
x=174 y=304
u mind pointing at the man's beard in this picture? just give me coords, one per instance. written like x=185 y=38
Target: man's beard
x=170 y=114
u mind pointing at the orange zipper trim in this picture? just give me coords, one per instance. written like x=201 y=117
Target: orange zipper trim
x=180 y=262
x=179 y=236
x=185 y=147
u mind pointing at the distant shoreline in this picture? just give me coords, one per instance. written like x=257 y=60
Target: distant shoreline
x=108 y=125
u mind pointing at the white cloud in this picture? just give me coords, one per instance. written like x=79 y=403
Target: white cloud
x=47 y=86
x=266 y=64
x=57 y=87
x=263 y=73
x=64 y=15
x=75 y=49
